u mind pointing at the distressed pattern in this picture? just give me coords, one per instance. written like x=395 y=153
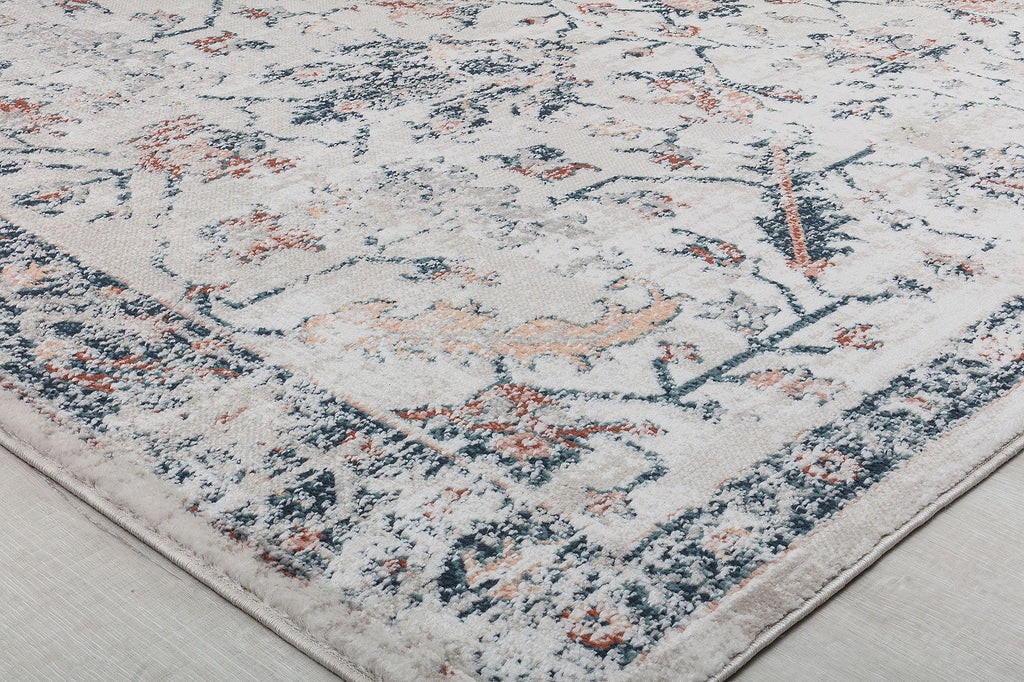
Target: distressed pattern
x=550 y=325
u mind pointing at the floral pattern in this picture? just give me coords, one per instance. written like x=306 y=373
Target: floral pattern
x=550 y=325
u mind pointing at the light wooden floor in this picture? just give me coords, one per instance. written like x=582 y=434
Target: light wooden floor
x=80 y=599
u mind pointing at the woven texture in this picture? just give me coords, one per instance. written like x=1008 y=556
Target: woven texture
x=515 y=340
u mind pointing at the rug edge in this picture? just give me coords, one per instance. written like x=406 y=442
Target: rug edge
x=1008 y=451
x=231 y=591
x=335 y=662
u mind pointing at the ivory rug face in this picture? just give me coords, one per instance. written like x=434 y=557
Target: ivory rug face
x=514 y=340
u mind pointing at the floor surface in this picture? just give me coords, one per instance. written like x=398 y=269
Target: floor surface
x=80 y=599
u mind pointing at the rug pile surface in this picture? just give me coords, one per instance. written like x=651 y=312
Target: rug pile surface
x=514 y=340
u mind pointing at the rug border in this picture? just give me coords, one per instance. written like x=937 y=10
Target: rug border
x=17 y=436
x=1006 y=452
x=338 y=664
x=237 y=595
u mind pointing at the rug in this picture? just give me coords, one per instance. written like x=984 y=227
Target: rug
x=514 y=340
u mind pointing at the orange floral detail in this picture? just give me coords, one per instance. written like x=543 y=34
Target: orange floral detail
x=175 y=145
x=801 y=258
x=599 y=631
x=832 y=467
x=302 y=539
x=506 y=571
x=796 y=384
x=213 y=44
x=251 y=13
x=601 y=504
x=31 y=114
x=445 y=328
x=857 y=337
